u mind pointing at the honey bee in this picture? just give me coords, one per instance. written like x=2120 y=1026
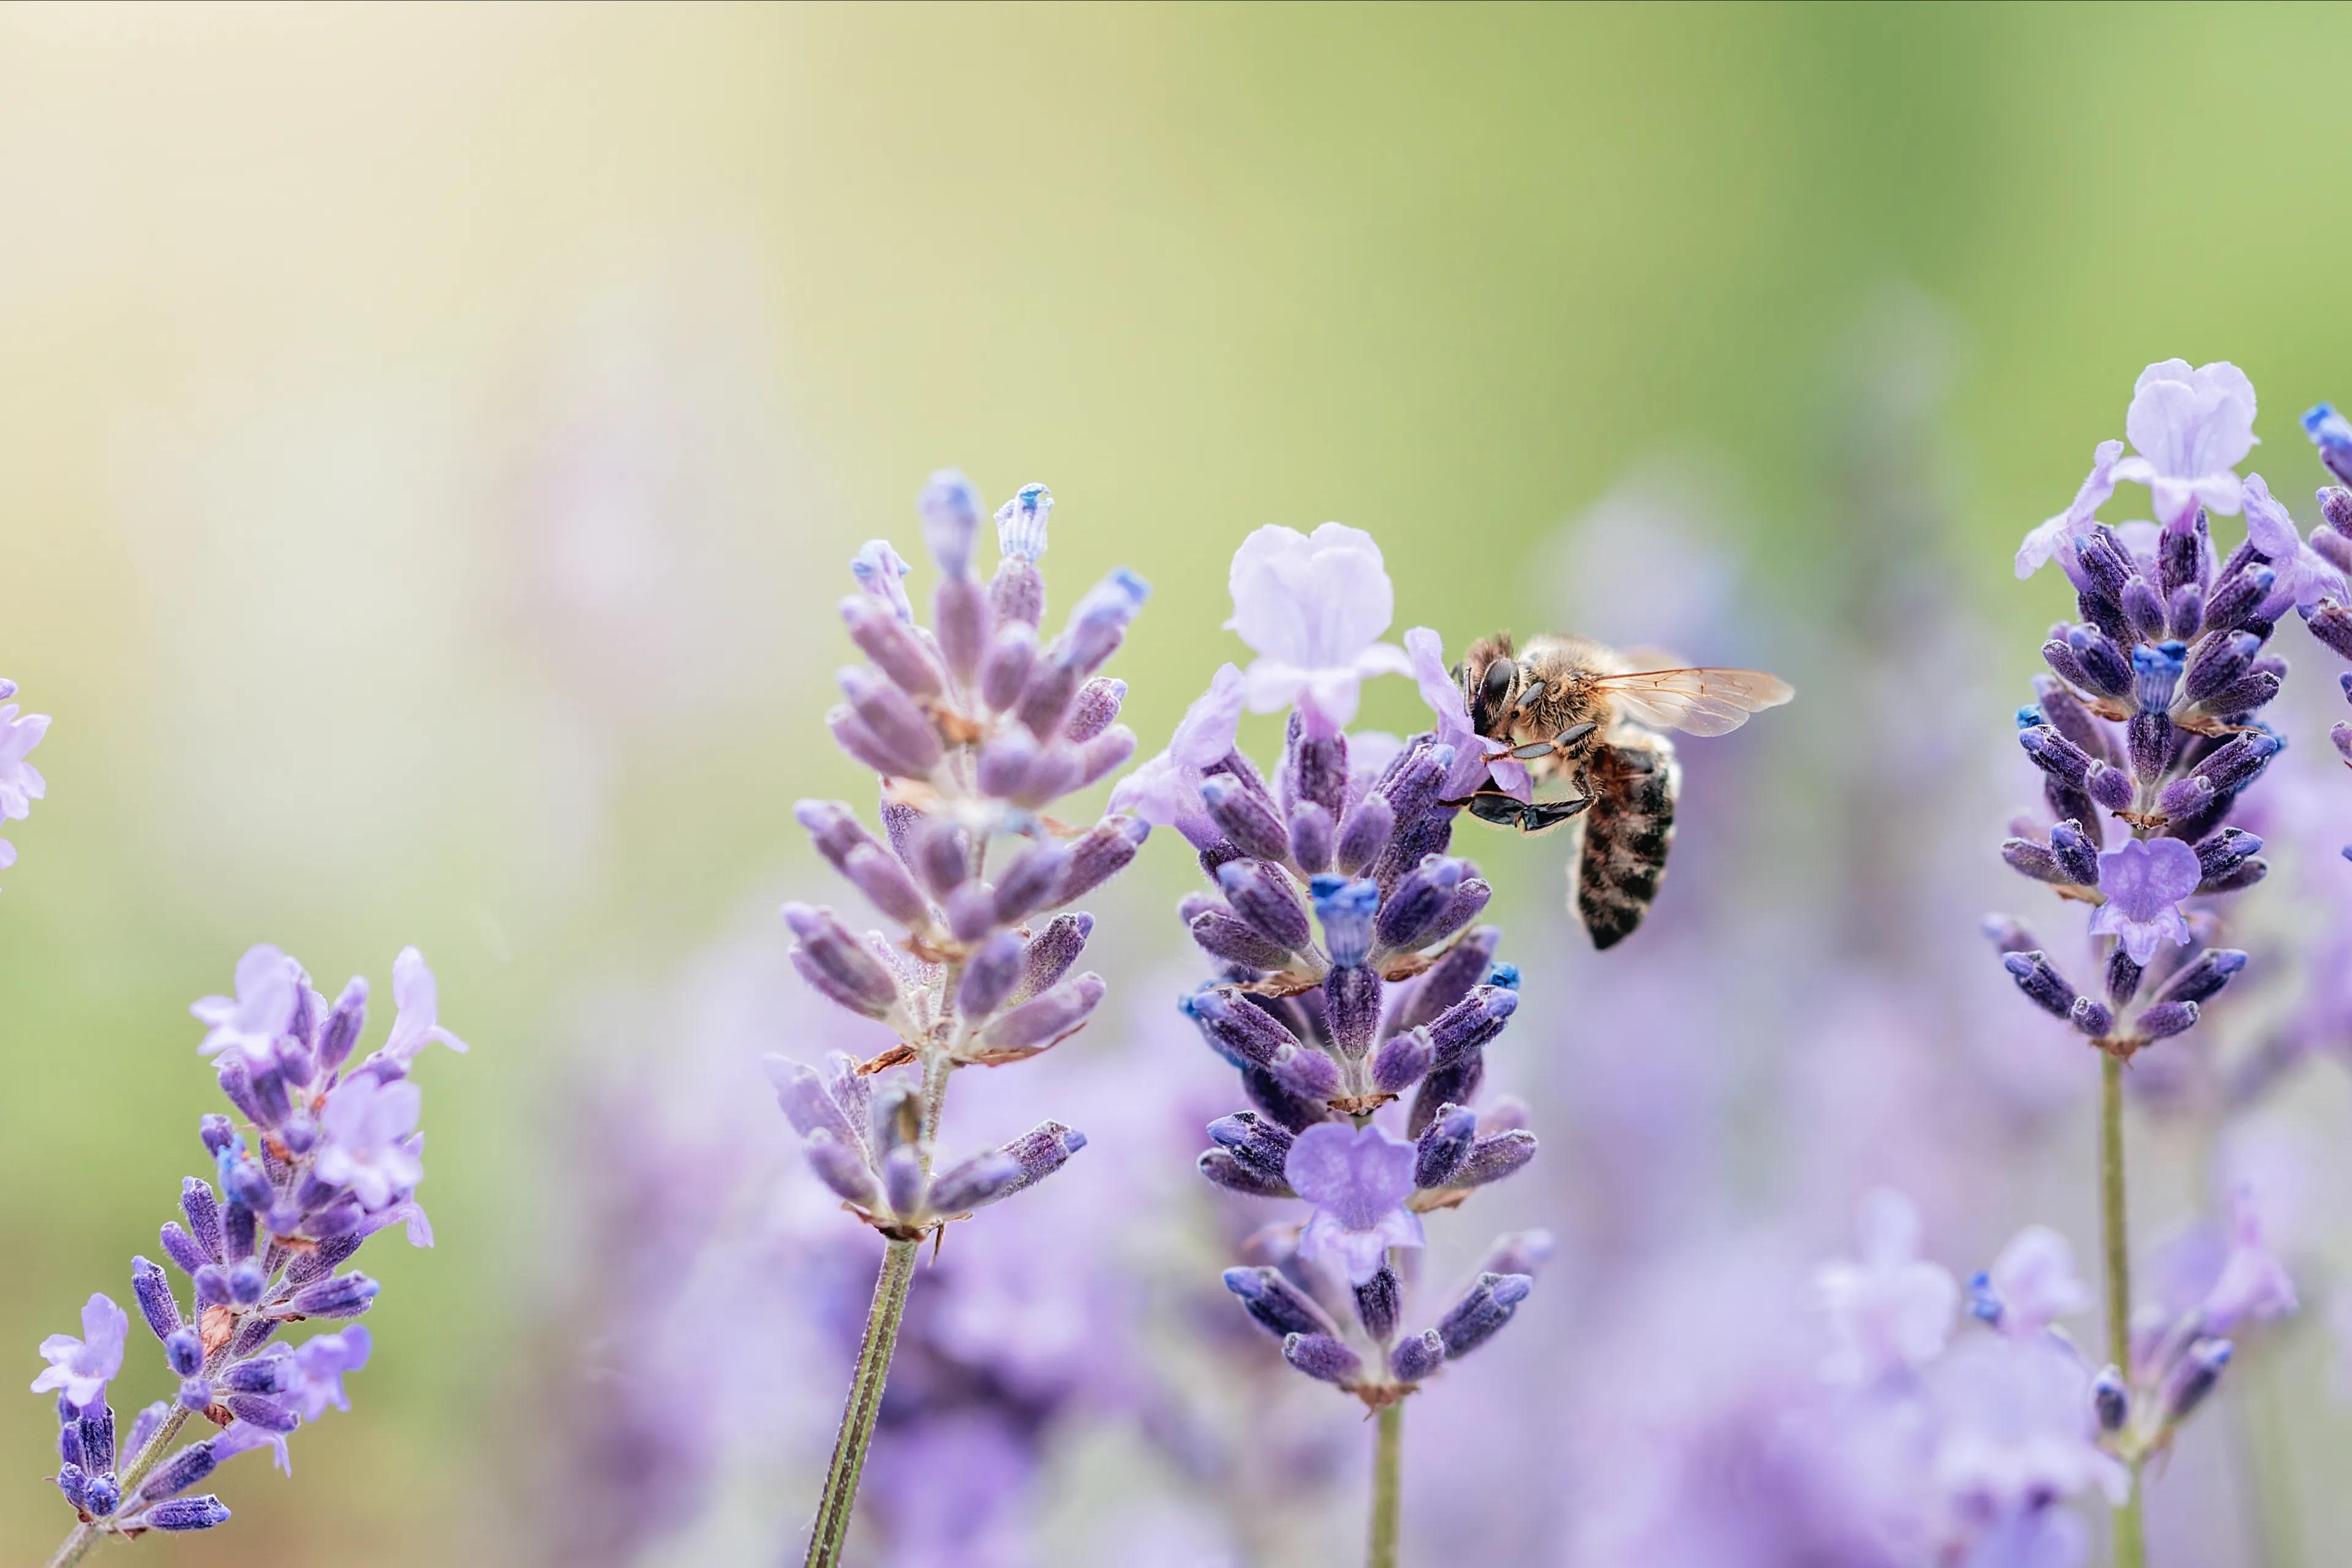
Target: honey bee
x=1587 y=717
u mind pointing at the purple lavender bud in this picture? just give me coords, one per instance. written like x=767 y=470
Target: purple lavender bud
x=1041 y=1151
x=2341 y=736
x=217 y=1131
x=1275 y=1304
x=2166 y=1019
x=264 y=1414
x=1306 y=1073
x=255 y=1334
x=1240 y=1030
x=2076 y=855
x=1482 y=1311
x=184 y=1351
x=1051 y=953
x=1470 y=1023
x=1363 y=834
x=1518 y=1251
x=2333 y=437
x=2110 y=787
x=322 y=1259
x=902 y=728
x=2040 y=981
x=995 y=968
x=2008 y=935
x=1443 y=1145
x=2056 y=755
x=895 y=646
x=2233 y=599
x=879 y=875
x=202 y=1208
x=2185 y=615
x=237 y=1232
x=895 y=1119
x=344 y=1296
x=144 y=1425
x=951 y=509
x=1410 y=915
x=245 y=1182
x=2101 y=662
x=1448 y=980
x=212 y=1287
x=184 y=1513
x=2123 y=977
x=2202 y=977
x=1351 y=1001
x=2220 y=662
x=1230 y=1171
x=881 y=574
x=2148 y=739
x=2181 y=552
x=296 y=1064
x=1418 y=1356
x=976 y=1182
x=1379 y=1302
x=1045 y=698
x=1261 y=1144
x=2224 y=853
x=2331 y=623
x=1495 y=1156
x=195 y=1395
x=342 y=1217
x=1230 y=942
x=1401 y=1061
x=2033 y=859
x=1033 y=881
x=2333 y=547
x=855 y=736
x=962 y=619
x=1310 y=838
x=1099 y=620
x=97 y=1426
x=1006 y=668
x=1347 y=910
x=1095 y=708
x=101 y=1495
x=2106 y=566
x=851 y=971
x=2156 y=674
x=2335 y=506
x=299 y=1135
x=941 y=852
x=2110 y=1399
x=1021 y=524
x=1468 y=903
x=2245 y=694
x=1101 y=853
x=75 y=1484
x=2184 y=799
x=1263 y=898
x=832 y=827
x=2092 y=1018
x=181 y=1471
x=2193 y=1377
x=2060 y=657
x=1411 y=786
x=2238 y=760
x=1102 y=756
x=1245 y=817
x=1321 y=1356
x=1319 y=770
x=1005 y=765
x=2143 y=609
x=236 y=1079
x=838 y=1166
x=156 y=1303
x=272 y=1374
x=1039 y=1021
x=1267 y=1092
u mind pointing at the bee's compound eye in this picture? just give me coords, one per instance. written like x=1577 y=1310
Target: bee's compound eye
x=1494 y=690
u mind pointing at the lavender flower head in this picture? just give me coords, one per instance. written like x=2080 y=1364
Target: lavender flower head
x=2147 y=727
x=20 y=782
x=2326 y=606
x=328 y=1155
x=1355 y=994
x=978 y=726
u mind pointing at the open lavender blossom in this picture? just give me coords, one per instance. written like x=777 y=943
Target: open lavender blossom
x=2147 y=729
x=322 y=1154
x=978 y=726
x=20 y=782
x=1355 y=994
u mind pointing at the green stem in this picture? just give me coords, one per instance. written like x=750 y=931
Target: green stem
x=2131 y=1542
x=840 y=1495
x=72 y=1549
x=1388 y=1478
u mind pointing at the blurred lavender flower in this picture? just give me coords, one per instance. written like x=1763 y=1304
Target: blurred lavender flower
x=2327 y=610
x=977 y=729
x=20 y=782
x=333 y=1157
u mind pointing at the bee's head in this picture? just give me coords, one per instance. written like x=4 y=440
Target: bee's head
x=1489 y=680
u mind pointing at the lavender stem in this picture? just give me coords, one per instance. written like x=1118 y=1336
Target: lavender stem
x=840 y=1496
x=2131 y=1544
x=1388 y=1472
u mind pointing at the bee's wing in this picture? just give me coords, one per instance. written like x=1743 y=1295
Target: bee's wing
x=1697 y=701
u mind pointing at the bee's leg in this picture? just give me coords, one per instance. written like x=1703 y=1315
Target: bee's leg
x=1491 y=805
x=1534 y=750
x=1543 y=816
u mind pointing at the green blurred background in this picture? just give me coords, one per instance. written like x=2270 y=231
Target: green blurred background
x=430 y=439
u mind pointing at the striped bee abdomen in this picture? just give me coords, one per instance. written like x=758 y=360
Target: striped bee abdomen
x=1626 y=835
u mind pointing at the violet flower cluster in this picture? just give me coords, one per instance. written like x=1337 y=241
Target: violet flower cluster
x=328 y=1156
x=978 y=725
x=1351 y=974
x=2328 y=614
x=20 y=782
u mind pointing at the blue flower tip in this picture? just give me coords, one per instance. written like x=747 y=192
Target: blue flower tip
x=1073 y=1141
x=1506 y=975
x=1135 y=586
x=2317 y=415
x=2029 y=716
x=1244 y=1283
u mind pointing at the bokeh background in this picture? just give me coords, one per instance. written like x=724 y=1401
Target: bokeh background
x=430 y=444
